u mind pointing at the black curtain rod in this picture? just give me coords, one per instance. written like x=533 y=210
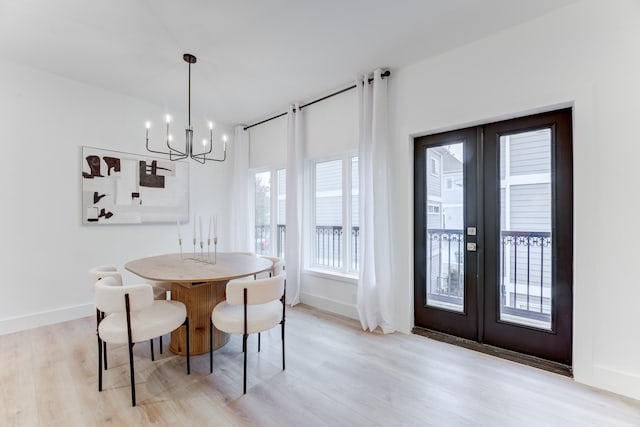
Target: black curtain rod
x=385 y=74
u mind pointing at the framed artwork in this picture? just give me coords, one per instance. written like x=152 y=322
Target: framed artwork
x=123 y=188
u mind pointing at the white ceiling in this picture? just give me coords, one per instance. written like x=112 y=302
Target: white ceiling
x=254 y=56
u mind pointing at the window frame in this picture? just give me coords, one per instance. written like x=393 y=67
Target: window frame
x=344 y=272
x=273 y=207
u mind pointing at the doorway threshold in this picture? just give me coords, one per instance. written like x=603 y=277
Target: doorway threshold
x=514 y=356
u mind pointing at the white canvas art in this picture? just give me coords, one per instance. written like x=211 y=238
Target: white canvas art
x=123 y=188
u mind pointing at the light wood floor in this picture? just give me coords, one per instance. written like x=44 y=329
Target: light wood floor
x=337 y=375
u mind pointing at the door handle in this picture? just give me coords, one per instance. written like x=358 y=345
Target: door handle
x=472 y=246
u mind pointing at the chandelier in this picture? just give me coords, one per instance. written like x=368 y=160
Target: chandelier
x=189 y=147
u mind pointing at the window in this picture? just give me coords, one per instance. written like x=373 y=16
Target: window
x=270 y=203
x=435 y=166
x=433 y=208
x=335 y=232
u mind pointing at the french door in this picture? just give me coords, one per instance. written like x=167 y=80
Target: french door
x=493 y=234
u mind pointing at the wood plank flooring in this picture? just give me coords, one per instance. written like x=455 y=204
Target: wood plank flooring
x=337 y=375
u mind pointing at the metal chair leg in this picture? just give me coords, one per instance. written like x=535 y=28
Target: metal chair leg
x=104 y=354
x=160 y=344
x=244 y=384
x=151 y=345
x=210 y=346
x=133 y=383
x=186 y=324
x=258 y=342
x=99 y=364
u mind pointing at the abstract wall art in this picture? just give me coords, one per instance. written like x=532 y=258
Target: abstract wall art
x=123 y=188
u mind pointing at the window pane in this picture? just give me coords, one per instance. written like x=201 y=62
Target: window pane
x=355 y=215
x=282 y=208
x=262 y=212
x=526 y=295
x=328 y=213
x=445 y=222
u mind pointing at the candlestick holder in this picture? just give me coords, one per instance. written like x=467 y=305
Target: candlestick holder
x=201 y=247
x=194 y=247
x=208 y=248
x=180 y=244
x=215 y=250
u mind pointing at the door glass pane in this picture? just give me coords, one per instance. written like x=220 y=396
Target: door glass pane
x=263 y=212
x=525 y=229
x=445 y=222
x=328 y=214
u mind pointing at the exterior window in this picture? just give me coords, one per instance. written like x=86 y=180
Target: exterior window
x=262 y=205
x=435 y=166
x=335 y=230
x=270 y=203
x=433 y=209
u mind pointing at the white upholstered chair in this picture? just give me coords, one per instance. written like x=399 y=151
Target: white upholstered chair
x=108 y=270
x=134 y=316
x=251 y=307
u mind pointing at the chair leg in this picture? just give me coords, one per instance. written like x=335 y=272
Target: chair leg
x=130 y=345
x=104 y=353
x=258 y=342
x=160 y=344
x=151 y=346
x=210 y=346
x=186 y=324
x=99 y=364
x=283 y=344
x=244 y=384
x=133 y=384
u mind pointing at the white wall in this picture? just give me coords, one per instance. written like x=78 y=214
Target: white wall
x=585 y=56
x=46 y=252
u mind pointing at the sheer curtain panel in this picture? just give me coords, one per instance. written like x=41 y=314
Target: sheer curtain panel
x=241 y=212
x=375 y=299
x=295 y=176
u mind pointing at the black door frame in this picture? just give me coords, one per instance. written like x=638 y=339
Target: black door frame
x=482 y=182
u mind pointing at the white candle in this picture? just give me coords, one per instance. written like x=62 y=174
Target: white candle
x=178 y=224
x=194 y=227
x=215 y=226
x=200 y=220
x=209 y=234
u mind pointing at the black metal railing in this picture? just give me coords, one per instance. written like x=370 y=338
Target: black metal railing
x=445 y=265
x=526 y=272
x=262 y=239
x=329 y=246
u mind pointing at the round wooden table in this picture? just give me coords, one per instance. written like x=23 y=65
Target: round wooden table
x=200 y=285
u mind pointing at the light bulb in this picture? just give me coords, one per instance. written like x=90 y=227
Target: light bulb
x=170 y=137
x=204 y=142
x=224 y=137
x=168 y=118
x=210 y=125
x=147 y=124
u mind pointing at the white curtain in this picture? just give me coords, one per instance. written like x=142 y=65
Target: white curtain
x=295 y=176
x=375 y=301
x=241 y=213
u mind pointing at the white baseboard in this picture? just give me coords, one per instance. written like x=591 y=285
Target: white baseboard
x=43 y=318
x=624 y=383
x=330 y=305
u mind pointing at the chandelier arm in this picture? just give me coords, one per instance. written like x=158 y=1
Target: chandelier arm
x=204 y=157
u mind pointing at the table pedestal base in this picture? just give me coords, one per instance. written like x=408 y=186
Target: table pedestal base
x=199 y=299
